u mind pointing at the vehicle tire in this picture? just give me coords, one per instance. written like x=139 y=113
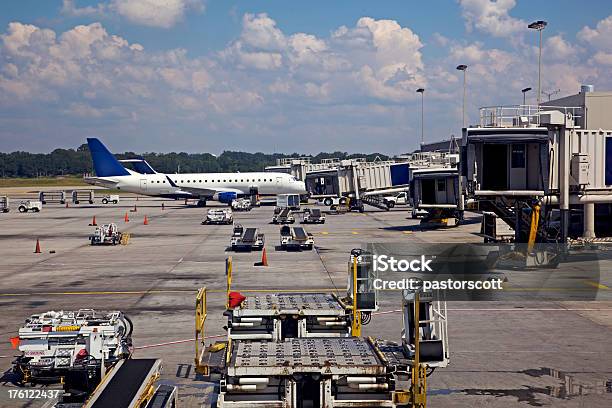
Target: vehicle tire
x=309 y=247
x=22 y=209
x=115 y=201
x=35 y=210
x=328 y=201
x=104 y=201
x=76 y=202
x=44 y=202
x=342 y=201
x=62 y=201
x=90 y=201
x=390 y=204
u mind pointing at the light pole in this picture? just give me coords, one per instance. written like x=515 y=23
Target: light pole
x=422 y=92
x=539 y=25
x=524 y=91
x=463 y=68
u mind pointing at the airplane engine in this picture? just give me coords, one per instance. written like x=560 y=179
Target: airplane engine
x=226 y=197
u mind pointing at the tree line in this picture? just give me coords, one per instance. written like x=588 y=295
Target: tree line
x=64 y=162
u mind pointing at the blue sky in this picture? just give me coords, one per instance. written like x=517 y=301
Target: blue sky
x=214 y=75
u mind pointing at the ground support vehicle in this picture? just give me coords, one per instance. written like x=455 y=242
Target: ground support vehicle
x=313 y=216
x=295 y=238
x=4 y=204
x=219 y=216
x=246 y=239
x=106 y=234
x=29 y=205
x=241 y=204
x=283 y=215
x=110 y=198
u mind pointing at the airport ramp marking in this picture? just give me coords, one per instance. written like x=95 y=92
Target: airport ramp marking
x=596 y=284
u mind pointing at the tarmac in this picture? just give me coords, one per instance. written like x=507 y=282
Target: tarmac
x=502 y=354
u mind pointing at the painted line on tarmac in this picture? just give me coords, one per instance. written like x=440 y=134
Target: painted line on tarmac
x=163 y=291
x=596 y=284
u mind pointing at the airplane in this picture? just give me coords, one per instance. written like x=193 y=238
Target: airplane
x=223 y=187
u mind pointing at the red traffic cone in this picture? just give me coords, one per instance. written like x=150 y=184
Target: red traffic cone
x=146 y=221
x=93 y=222
x=37 y=249
x=15 y=342
x=126 y=218
x=264 y=259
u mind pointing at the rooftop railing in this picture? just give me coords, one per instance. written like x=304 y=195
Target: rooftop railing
x=521 y=115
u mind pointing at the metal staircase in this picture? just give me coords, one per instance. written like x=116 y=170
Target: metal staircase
x=507 y=208
x=375 y=201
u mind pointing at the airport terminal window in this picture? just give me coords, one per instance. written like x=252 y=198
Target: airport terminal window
x=518 y=156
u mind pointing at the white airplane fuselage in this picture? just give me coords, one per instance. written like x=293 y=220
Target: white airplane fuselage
x=158 y=184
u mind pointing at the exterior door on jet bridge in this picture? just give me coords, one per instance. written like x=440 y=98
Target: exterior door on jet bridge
x=143 y=184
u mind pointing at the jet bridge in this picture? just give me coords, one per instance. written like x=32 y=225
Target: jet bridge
x=523 y=159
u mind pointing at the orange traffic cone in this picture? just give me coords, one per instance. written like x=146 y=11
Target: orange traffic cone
x=126 y=218
x=37 y=249
x=146 y=221
x=264 y=258
x=14 y=342
x=93 y=222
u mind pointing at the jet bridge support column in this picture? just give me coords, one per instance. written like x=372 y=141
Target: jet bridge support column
x=564 y=147
x=589 y=220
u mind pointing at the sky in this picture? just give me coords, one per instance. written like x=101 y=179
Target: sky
x=281 y=76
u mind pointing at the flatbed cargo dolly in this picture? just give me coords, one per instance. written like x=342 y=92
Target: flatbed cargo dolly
x=278 y=316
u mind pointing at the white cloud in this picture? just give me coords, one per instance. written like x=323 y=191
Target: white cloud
x=342 y=88
x=599 y=37
x=491 y=17
x=155 y=13
x=557 y=48
x=70 y=8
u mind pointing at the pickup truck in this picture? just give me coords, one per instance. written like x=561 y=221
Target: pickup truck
x=29 y=205
x=246 y=239
x=398 y=199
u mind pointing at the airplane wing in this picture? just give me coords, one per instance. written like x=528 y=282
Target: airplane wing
x=97 y=181
x=203 y=192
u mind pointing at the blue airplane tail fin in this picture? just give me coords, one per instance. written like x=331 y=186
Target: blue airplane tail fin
x=105 y=164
